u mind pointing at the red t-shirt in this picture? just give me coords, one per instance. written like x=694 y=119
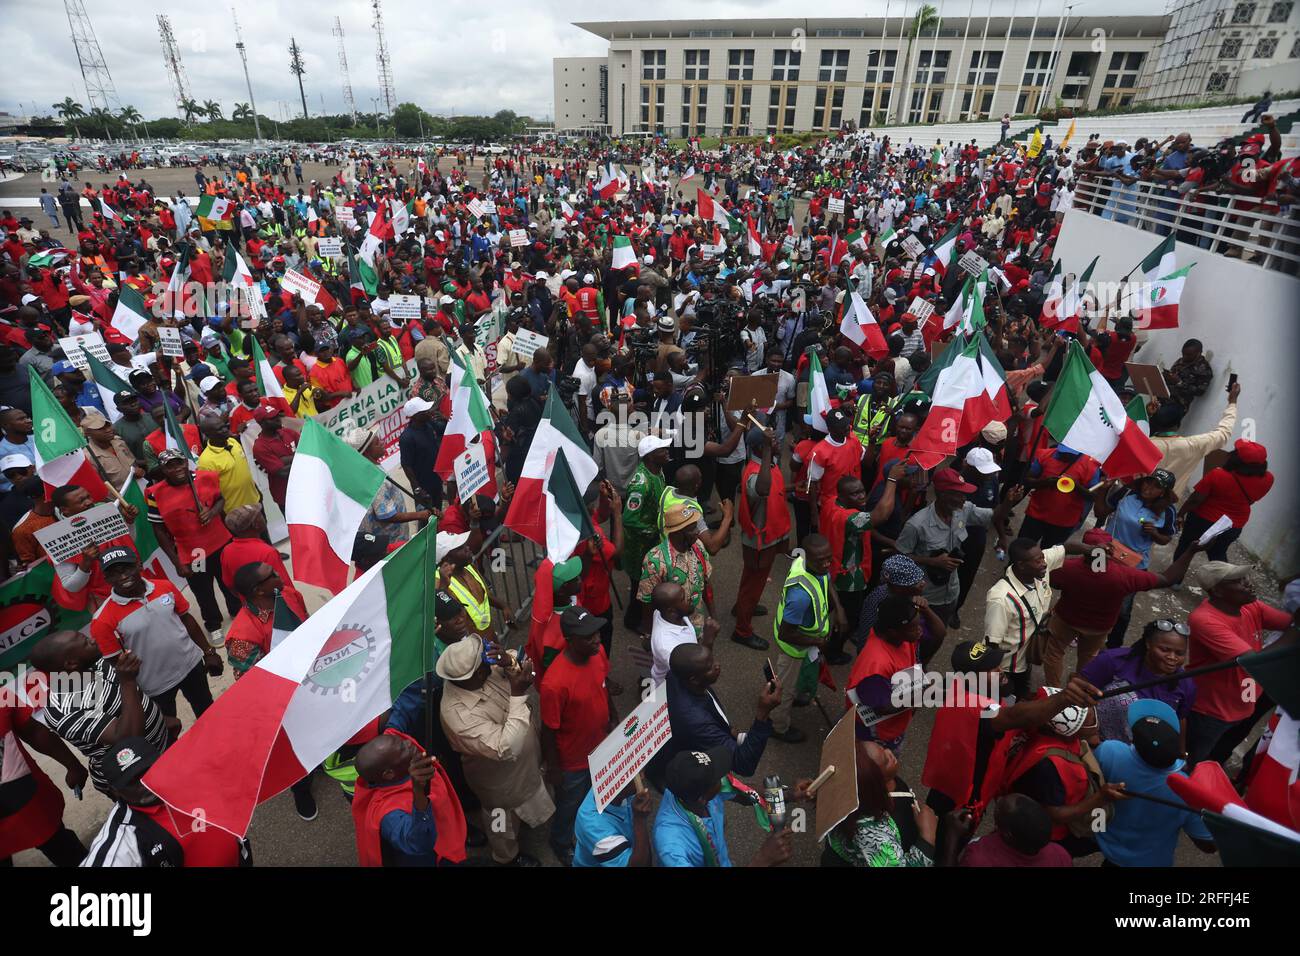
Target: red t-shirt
x=576 y=707
x=333 y=377
x=1230 y=493
x=242 y=414
x=203 y=846
x=1216 y=637
x=173 y=505
x=594 y=595
x=836 y=462
x=992 y=850
x=242 y=551
x=1091 y=600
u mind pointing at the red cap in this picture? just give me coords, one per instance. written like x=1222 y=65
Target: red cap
x=263 y=412
x=1250 y=452
x=949 y=480
x=1098 y=536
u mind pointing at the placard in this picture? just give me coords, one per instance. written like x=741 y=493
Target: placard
x=759 y=389
x=835 y=205
x=518 y=237
x=69 y=538
x=526 y=343
x=489 y=207
x=404 y=306
x=471 y=470
x=295 y=282
x=972 y=263
x=1147 y=379
x=378 y=406
x=75 y=347
x=476 y=209
x=838 y=796
x=330 y=247
x=921 y=309
x=914 y=247
x=170 y=340
x=345 y=216
x=628 y=748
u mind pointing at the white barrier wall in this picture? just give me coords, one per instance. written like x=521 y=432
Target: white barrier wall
x=1249 y=321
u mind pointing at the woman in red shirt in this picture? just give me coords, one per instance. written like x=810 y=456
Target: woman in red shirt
x=1227 y=491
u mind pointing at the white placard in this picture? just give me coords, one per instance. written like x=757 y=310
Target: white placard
x=330 y=247
x=628 y=748
x=170 y=340
x=74 y=347
x=914 y=247
x=921 y=309
x=69 y=538
x=972 y=263
x=144 y=361
x=526 y=343
x=835 y=205
x=476 y=209
x=404 y=306
x=518 y=237
x=489 y=207
x=345 y=216
x=471 y=470
x=295 y=282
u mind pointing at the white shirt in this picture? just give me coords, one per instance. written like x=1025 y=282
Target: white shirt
x=586 y=376
x=755 y=342
x=664 y=636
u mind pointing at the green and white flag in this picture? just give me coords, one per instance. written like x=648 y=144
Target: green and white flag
x=567 y=518
x=1137 y=412
x=885 y=238
x=130 y=315
x=267 y=384
x=623 y=255
x=108 y=384
x=819 y=397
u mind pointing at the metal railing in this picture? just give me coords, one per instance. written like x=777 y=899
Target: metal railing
x=1224 y=223
x=508 y=564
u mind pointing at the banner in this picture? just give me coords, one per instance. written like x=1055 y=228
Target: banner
x=74 y=347
x=526 y=343
x=972 y=263
x=378 y=406
x=628 y=748
x=67 y=539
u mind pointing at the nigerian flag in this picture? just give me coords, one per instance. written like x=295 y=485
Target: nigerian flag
x=130 y=314
x=1137 y=411
x=267 y=384
x=108 y=384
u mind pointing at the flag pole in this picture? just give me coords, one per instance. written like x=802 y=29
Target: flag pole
x=430 y=625
x=1194 y=672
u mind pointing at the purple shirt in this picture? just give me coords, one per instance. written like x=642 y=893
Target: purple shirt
x=1117 y=667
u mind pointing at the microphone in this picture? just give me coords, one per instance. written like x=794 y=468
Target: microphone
x=774 y=794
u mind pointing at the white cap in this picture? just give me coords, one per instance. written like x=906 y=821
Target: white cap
x=564 y=274
x=981 y=459
x=540 y=277
x=14 y=461
x=447 y=300
x=446 y=542
x=651 y=443
x=782 y=267
x=208 y=384
x=28 y=299
x=666 y=323
x=516 y=264
x=589 y=278
x=414 y=406
x=439 y=235
x=647 y=259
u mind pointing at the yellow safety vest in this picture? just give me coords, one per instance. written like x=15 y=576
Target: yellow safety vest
x=815 y=587
x=480 y=611
x=869 y=415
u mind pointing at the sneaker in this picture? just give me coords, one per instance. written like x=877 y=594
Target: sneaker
x=523 y=860
x=216 y=638
x=792 y=736
x=305 y=804
x=760 y=610
x=750 y=640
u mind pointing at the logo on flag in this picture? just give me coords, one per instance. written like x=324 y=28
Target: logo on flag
x=347 y=657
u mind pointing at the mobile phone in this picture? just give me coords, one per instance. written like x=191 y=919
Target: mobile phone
x=768 y=674
x=1232 y=380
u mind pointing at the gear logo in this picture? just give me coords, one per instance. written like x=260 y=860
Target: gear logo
x=347 y=655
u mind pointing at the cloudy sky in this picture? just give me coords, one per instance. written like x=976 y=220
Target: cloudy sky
x=450 y=58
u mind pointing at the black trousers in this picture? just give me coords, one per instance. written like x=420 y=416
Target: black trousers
x=204 y=584
x=1047 y=535
x=63 y=849
x=1193 y=527
x=195 y=688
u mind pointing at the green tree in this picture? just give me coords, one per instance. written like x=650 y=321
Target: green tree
x=409 y=120
x=925 y=21
x=212 y=109
x=242 y=111
x=101 y=119
x=70 y=110
x=191 y=109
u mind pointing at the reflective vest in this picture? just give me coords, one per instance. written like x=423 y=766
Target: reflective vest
x=871 y=416
x=479 y=609
x=776 y=525
x=816 y=588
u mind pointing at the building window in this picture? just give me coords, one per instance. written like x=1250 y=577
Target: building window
x=1280 y=12
x=740 y=64
x=1243 y=13
x=874 y=109
x=1265 y=47
x=881 y=65
x=931 y=111
x=834 y=66
x=1295 y=49
x=780 y=108
x=1124 y=70
x=824 y=118
x=653 y=64
x=1218 y=82
x=1037 y=68
x=785 y=65
x=652 y=108
x=986 y=103
x=736 y=110
x=697 y=65
x=937 y=70
x=985 y=74
x=695 y=100
x=1230 y=49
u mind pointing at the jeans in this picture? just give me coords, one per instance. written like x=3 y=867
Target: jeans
x=1203 y=734
x=568 y=798
x=195 y=688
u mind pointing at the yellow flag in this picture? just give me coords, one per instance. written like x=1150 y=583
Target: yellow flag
x=1035 y=144
x=1068 y=133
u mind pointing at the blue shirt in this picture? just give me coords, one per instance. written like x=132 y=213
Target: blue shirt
x=1142 y=833
x=410 y=836
x=88 y=397
x=1126 y=525
x=675 y=840
x=7 y=447
x=798 y=607
x=591 y=827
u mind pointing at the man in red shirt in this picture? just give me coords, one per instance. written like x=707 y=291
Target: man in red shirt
x=835 y=456
x=577 y=712
x=1230 y=621
x=250 y=402
x=330 y=374
x=274 y=448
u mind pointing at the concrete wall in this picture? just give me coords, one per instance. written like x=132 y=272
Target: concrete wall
x=577 y=90
x=1247 y=318
x=1279 y=77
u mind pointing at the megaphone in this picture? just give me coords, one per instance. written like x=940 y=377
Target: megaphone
x=1065 y=484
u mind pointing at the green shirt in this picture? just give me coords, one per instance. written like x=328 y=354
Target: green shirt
x=641 y=510
x=134 y=432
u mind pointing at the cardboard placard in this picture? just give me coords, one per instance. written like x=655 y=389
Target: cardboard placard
x=972 y=263
x=838 y=796
x=1215 y=459
x=921 y=309
x=628 y=748
x=471 y=470
x=69 y=538
x=835 y=205
x=1147 y=379
x=759 y=389
x=914 y=247
x=526 y=343
x=404 y=306
x=75 y=346
x=169 y=340
x=330 y=248
x=379 y=407
x=518 y=237
x=476 y=209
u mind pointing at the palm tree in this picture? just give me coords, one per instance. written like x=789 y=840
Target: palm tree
x=102 y=119
x=192 y=108
x=212 y=108
x=242 y=111
x=925 y=20
x=131 y=117
x=70 y=109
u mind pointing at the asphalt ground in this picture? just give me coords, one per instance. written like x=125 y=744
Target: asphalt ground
x=281 y=838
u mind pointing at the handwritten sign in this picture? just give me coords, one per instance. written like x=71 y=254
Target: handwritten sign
x=476 y=209
x=518 y=237
x=404 y=306
x=69 y=538
x=346 y=216
x=972 y=263
x=628 y=748
x=75 y=347
x=295 y=282
x=921 y=309
x=471 y=470
x=914 y=247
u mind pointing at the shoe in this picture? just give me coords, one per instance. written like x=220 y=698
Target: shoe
x=283 y=556
x=954 y=621
x=305 y=804
x=802 y=700
x=835 y=660
x=216 y=638
x=760 y=610
x=474 y=837
x=523 y=859
x=750 y=640
x=792 y=736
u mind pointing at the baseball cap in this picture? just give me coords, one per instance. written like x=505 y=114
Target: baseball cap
x=651 y=443
x=125 y=396
x=170 y=454
x=14 y=461
x=579 y=622
x=448 y=542
x=1157 y=742
x=1213 y=573
x=895 y=611
x=446 y=300
x=566 y=571
x=208 y=384
x=1097 y=536
x=1250 y=452
x=994 y=432
x=1165 y=479
x=976 y=657
x=414 y=406
x=446 y=607
x=837 y=415
x=540 y=276
x=679 y=516
x=264 y=412
x=126 y=761
x=981 y=459
x=1145 y=707
x=62 y=368
x=647 y=259
x=116 y=556
x=693 y=773
x=947 y=479
x=461 y=659
x=588 y=278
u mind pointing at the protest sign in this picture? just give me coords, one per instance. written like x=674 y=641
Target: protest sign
x=378 y=407
x=838 y=797
x=518 y=237
x=345 y=216
x=628 y=748
x=1147 y=379
x=489 y=207
x=972 y=263
x=330 y=248
x=758 y=389
x=74 y=347
x=67 y=539
x=170 y=341
x=476 y=209
x=914 y=247
x=835 y=206
x=404 y=306
x=295 y=282
x=471 y=470
x=526 y=343
x=921 y=309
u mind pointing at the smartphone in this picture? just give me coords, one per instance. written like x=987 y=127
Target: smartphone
x=768 y=674
x=1232 y=380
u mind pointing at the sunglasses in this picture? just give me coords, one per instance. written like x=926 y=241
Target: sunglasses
x=1164 y=625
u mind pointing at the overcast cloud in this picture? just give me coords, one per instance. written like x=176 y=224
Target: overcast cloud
x=448 y=58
